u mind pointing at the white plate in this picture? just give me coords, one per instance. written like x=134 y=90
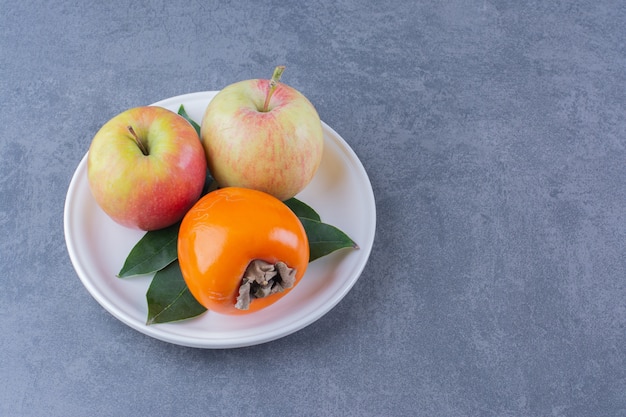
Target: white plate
x=340 y=192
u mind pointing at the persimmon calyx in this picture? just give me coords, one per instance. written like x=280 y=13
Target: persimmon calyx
x=262 y=279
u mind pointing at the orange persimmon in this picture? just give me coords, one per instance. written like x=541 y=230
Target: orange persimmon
x=241 y=250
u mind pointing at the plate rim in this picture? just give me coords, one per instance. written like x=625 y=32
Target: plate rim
x=232 y=341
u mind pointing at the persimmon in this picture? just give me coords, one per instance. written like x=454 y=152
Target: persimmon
x=241 y=250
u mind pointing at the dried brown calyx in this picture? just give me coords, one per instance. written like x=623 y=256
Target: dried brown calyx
x=262 y=279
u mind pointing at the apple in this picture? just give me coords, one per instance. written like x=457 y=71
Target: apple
x=264 y=135
x=146 y=167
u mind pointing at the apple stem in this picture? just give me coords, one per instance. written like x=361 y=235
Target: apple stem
x=278 y=72
x=143 y=148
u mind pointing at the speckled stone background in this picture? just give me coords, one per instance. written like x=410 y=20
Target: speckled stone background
x=494 y=135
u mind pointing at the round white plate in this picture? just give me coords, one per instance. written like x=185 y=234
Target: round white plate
x=340 y=192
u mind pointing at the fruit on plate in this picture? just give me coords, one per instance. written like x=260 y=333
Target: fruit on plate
x=264 y=135
x=146 y=167
x=241 y=250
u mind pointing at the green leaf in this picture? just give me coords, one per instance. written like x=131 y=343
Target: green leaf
x=169 y=298
x=183 y=112
x=324 y=238
x=301 y=209
x=154 y=251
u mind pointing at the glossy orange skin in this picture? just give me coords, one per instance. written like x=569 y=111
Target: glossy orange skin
x=227 y=229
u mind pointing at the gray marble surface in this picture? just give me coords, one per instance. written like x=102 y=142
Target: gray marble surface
x=494 y=135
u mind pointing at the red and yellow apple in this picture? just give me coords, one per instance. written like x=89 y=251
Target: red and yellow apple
x=146 y=167
x=264 y=135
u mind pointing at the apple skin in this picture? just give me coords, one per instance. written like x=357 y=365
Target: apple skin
x=277 y=152
x=153 y=191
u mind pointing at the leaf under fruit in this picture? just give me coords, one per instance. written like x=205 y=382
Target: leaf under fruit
x=325 y=238
x=183 y=112
x=155 y=250
x=169 y=298
x=302 y=209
